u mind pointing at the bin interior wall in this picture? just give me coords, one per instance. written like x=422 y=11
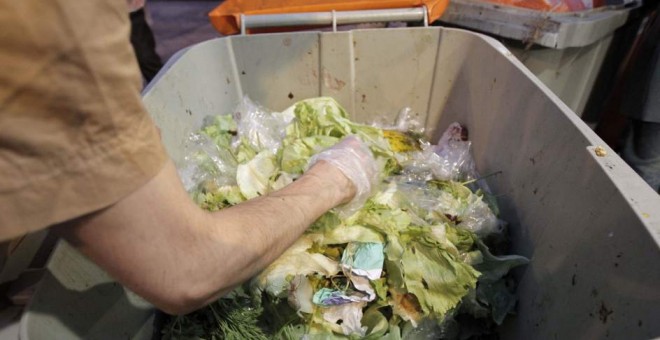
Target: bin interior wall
x=587 y=222
x=78 y=300
x=589 y=248
x=592 y=273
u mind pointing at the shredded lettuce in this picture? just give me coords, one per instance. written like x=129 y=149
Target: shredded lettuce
x=432 y=263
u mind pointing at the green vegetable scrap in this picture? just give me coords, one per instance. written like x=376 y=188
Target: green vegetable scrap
x=408 y=264
x=232 y=317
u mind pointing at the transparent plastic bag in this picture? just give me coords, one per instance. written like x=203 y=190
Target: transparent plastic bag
x=408 y=120
x=479 y=218
x=422 y=165
x=450 y=159
x=206 y=163
x=261 y=128
x=469 y=209
x=209 y=164
x=453 y=149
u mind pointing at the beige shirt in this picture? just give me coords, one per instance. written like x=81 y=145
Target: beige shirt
x=74 y=136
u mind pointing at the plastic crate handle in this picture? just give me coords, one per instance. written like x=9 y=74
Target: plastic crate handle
x=333 y=18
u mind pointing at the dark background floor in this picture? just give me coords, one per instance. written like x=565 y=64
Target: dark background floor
x=179 y=24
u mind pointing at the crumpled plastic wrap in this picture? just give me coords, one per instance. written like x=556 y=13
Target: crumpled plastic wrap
x=206 y=163
x=468 y=208
x=408 y=120
x=448 y=160
x=263 y=129
x=455 y=159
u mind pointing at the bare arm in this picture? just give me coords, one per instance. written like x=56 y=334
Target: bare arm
x=179 y=257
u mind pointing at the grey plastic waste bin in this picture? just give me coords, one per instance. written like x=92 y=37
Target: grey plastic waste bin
x=564 y=50
x=590 y=225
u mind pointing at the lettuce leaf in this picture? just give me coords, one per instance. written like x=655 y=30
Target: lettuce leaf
x=429 y=229
x=435 y=277
x=275 y=279
x=254 y=177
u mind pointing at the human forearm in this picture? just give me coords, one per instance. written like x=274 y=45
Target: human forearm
x=266 y=226
x=157 y=243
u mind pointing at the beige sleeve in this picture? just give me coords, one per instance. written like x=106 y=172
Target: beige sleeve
x=74 y=136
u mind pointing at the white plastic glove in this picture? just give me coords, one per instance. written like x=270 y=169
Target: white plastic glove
x=354 y=159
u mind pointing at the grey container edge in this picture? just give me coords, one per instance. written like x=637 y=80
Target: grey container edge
x=548 y=29
x=565 y=50
x=590 y=225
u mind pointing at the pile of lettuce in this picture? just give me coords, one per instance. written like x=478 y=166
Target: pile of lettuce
x=412 y=263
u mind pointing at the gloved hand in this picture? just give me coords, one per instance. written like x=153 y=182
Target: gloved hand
x=354 y=159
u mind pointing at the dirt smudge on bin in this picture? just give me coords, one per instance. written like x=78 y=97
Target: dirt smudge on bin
x=332 y=82
x=604 y=313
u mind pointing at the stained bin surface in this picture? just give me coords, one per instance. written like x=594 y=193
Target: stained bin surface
x=589 y=224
